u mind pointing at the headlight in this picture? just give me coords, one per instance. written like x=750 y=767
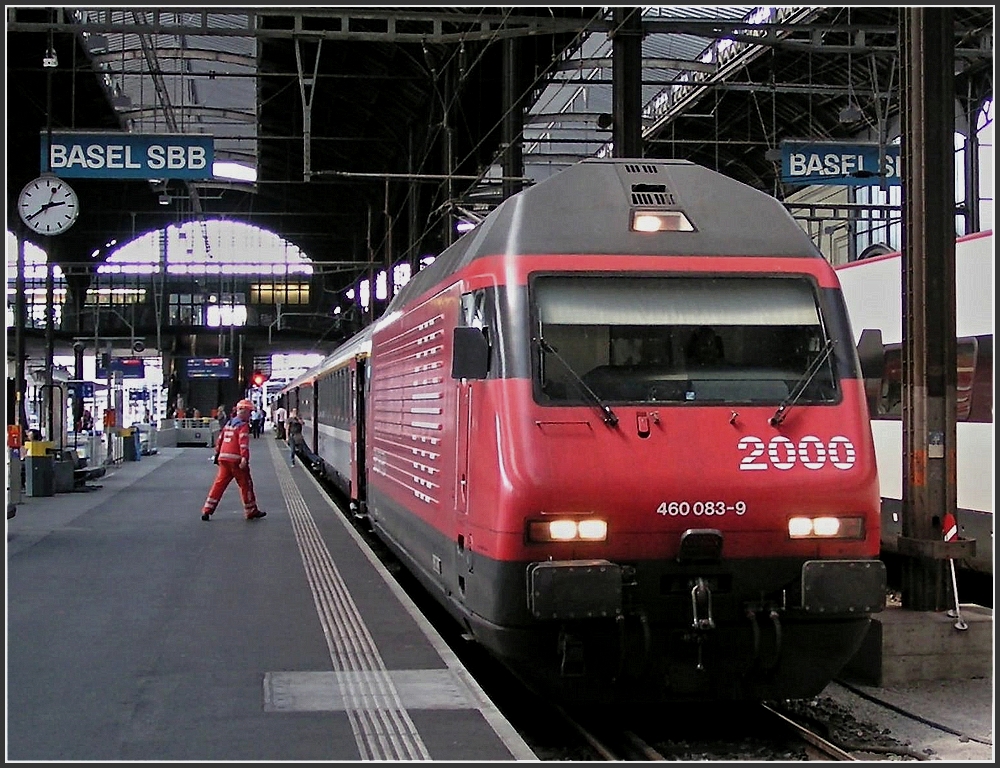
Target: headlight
x=826 y=527
x=568 y=529
x=660 y=221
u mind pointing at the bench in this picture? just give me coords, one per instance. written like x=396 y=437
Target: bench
x=82 y=474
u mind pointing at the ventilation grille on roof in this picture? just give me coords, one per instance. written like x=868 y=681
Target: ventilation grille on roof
x=640 y=168
x=651 y=194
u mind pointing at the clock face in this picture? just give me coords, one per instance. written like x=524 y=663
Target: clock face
x=48 y=205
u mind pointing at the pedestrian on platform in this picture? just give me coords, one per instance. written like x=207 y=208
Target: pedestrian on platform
x=293 y=425
x=232 y=454
x=257 y=422
x=280 y=414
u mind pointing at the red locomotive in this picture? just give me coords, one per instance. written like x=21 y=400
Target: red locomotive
x=620 y=432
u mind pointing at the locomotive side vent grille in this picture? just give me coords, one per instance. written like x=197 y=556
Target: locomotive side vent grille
x=651 y=194
x=640 y=168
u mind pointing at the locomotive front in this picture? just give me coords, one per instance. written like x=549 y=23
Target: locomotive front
x=687 y=505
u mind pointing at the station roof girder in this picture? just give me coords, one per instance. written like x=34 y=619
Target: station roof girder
x=368 y=126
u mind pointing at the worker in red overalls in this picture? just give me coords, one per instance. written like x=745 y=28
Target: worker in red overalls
x=232 y=454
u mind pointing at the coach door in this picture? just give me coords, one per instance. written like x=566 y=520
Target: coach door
x=471 y=322
x=462 y=446
x=359 y=385
x=470 y=363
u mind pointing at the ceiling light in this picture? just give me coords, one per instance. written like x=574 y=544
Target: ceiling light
x=164 y=198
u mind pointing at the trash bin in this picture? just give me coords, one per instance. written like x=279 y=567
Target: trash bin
x=130 y=445
x=62 y=474
x=40 y=475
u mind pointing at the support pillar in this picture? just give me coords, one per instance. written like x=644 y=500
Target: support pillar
x=928 y=300
x=626 y=56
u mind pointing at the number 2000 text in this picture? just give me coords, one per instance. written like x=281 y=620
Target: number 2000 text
x=782 y=453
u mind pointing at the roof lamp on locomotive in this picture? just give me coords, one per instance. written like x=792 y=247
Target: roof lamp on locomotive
x=620 y=431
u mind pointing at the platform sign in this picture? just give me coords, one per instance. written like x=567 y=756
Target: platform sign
x=138 y=395
x=128 y=367
x=850 y=164
x=209 y=368
x=83 y=155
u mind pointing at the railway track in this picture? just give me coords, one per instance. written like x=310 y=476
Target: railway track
x=817 y=747
x=764 y=732
x=776 y=737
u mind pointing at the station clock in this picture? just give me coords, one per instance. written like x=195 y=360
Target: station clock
x=48 y=205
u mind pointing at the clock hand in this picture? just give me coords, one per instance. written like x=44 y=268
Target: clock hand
x=45 y=207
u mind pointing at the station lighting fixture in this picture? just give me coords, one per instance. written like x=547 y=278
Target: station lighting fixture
x=257 y=378
x=50 y=60
x=121 y=100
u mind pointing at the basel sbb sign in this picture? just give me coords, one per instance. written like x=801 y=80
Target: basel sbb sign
x=848 y=164
x=127 y=156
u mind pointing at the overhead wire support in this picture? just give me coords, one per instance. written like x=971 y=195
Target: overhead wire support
x=307 y=89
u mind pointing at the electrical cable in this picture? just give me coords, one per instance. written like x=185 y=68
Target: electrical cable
x=912 y=716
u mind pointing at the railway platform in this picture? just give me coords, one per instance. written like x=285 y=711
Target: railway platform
x=927 y=678
x=136 y=631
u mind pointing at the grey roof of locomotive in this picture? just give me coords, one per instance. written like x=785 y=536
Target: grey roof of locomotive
x=586 y=208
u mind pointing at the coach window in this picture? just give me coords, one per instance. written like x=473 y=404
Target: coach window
x=474 y=309
x=967 y=355
x=477 y=313
x=890 y=406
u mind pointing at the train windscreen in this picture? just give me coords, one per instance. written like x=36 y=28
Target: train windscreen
x=656 y=339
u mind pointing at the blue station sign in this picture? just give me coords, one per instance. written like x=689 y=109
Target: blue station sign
x=850 y=164
x=127 y=156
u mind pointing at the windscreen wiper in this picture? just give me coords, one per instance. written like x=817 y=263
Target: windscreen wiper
x=801 y=384
x=609 y=416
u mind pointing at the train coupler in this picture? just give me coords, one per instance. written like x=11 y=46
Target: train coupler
x=701 y=606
